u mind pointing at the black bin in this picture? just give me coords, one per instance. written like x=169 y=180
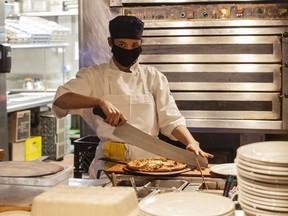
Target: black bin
x=84 y=152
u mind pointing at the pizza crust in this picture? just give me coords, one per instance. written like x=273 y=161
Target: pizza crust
x=156 y=165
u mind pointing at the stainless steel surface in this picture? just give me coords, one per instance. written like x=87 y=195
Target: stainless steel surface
x=245 y=126
x=128 y=183
x=138 y=138
x=229 y=105
x=3 y=98
x=236 y=49
x=171 y=183
x=21 y=191
x=198 y=76
x=176 y=1
x=212 y=26
x=26 y=100
x=3 y=116
x=87 y=182
x=217 y=31
x=224 y=62
x=33 y=46
x=151 y=185
x=2 y=21
x=44 y=181
x=284 y=92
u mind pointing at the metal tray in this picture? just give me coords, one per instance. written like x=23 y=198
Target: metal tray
x=46 y=181
x=21 y=191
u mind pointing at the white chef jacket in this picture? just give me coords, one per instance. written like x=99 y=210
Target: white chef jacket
x=91 y=82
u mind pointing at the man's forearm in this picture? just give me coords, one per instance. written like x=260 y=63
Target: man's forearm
x=182 y=134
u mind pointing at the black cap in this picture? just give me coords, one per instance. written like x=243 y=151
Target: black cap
x=126 y=27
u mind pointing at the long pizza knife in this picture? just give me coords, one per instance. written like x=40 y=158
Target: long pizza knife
x=136 y=137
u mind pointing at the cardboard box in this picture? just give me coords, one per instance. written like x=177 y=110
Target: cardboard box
x=18 y=151
x=19 y=126
x=30 y=149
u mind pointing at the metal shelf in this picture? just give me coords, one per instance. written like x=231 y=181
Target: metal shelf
x=32 y=46
x=51 y=13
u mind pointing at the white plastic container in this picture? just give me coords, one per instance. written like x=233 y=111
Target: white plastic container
x=86 y=201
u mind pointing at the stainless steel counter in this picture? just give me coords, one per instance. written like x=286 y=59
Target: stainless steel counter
x=27 y=100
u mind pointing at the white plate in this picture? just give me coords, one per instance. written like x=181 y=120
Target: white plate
x=255 y=165
x=228 y=214
x=182 y=204
x=277 y=166
x=277 y=188
x=254 y=211
x=262 y=200
x=264 y=207
x=224 y=169
x=263 y=178
x=261 y=171
x=262 y=193
x=270 y=152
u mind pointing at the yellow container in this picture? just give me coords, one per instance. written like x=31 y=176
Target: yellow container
x=33 y=148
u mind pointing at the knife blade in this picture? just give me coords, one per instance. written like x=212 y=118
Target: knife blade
x=136 y=137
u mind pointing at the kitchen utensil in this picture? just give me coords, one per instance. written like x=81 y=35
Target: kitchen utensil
x=28 y=168
x=132 y=180
x=136 y=137
x=200 y=170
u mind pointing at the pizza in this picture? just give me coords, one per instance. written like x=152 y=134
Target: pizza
x=156 y=165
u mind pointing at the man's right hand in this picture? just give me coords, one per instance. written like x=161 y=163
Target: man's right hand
x=113 y=116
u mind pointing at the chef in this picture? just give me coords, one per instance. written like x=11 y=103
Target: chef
x=126 y=92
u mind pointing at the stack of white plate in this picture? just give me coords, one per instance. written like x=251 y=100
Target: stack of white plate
x=186 y=203
x=263 y=178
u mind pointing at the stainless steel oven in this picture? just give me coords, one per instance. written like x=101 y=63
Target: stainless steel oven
x=226 y=62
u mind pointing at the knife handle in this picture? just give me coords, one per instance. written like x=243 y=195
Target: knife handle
x=98 y=111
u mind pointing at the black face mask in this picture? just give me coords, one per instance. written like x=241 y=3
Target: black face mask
x=126 y=57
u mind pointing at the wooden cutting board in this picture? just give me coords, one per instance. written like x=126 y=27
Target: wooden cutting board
x=118 y=169
x=28 y=168
x=6 y=208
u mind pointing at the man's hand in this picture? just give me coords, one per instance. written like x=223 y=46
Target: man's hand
x=194 y=147
x=113 y=116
